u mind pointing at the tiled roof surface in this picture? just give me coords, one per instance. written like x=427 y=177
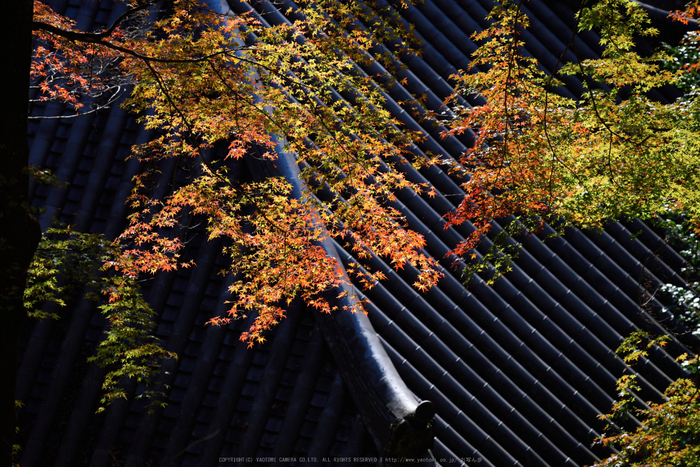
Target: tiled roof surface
x=517 y=371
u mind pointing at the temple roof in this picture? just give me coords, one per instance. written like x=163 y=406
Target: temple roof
x=516 y=372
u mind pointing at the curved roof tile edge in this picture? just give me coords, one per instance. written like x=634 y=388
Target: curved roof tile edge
x=365 y=365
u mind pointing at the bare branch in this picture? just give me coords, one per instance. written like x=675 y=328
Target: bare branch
x=117 y=94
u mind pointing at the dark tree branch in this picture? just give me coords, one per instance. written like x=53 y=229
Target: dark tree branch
x=90 y=38
x=93 y=37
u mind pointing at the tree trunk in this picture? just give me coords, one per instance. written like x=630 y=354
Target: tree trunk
x=19 y=232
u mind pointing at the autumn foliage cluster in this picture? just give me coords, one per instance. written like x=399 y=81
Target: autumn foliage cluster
x=614 y=151
x=204 y=78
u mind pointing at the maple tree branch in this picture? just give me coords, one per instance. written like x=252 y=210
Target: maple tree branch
x=291 y=81
x=117 y=94
x=189 y=126
x=98 y=39
x=93 y=37
x=569 y=46
x=126 y=15
x=590 y=84
x=179 y=111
